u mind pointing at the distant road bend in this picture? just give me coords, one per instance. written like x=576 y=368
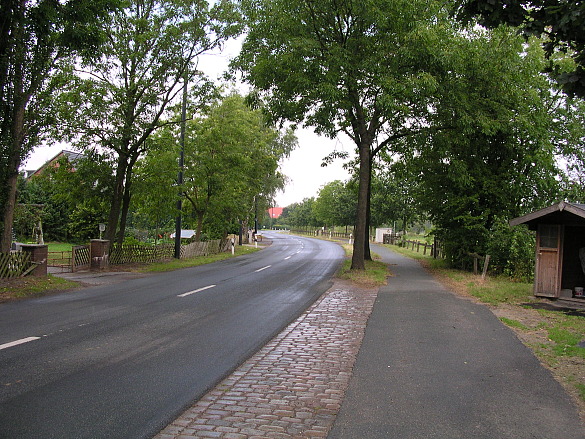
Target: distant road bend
x=122 y=361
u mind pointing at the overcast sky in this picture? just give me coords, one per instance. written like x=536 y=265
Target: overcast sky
x=303 y=168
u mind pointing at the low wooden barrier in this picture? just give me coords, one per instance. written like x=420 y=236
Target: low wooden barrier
x=435 y=250
x=14 y=264
x=131 y=253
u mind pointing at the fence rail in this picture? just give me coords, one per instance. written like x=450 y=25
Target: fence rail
x=60 y=259
x=131 y=253
x=204 y=248
x=435 y=249
x=14 y=264
x=320 y=232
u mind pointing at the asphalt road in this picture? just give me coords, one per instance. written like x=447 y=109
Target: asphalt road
x=122 y=361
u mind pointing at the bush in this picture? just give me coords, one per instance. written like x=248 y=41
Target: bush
x=512 y=251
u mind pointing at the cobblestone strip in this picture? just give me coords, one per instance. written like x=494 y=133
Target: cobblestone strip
x=294 y=386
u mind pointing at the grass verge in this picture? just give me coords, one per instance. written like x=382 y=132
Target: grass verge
x=374 y=275
x=22 y=288
x=176 y=264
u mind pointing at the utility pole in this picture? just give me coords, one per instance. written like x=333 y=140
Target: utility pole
x=180 y=177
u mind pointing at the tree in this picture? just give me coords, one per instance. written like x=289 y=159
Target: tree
x=336 y=204
x=34 y=38
x=301 y=214
x=560 y=22
x=500 y=158
x=231 y=162
x=394 y=191
x=362 y=68
x=120 y=100
x=230 y=167
x=74 y=196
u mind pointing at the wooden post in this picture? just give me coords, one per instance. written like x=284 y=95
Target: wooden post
x=485 y=266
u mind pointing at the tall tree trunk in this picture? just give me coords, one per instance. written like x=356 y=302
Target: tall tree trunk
x=125 y=207
x=357 y=260
x=126 y=200
x=15 y=134
x=117 y=198
x=8 y=214
x=367 y=252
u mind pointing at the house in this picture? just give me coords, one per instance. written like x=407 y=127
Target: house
x=275 y=212
x=72 y=157
x=560 y=250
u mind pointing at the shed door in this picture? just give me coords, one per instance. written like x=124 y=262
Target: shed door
x=548 y=260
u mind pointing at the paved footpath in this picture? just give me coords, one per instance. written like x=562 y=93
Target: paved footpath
x=430 y=365
x=294 y=386
x=436 y=365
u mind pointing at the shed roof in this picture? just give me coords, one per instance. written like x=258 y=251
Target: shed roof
x=185 y=234
x=560 y=213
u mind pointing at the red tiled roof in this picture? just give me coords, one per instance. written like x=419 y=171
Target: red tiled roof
x=275 y=212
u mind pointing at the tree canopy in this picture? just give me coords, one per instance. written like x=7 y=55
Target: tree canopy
x=34 y=37
x=361 y=68
x=120 y=99
x=560 y=22
x=231 y=159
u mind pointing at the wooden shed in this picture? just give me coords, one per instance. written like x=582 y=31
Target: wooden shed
x=560 y=250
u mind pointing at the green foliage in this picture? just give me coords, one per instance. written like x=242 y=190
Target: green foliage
x=73 y=198
x=84 y=220
x=512 y=251
x=561 y=23
x=335 y=204
x=301 y=214
x=230 y=169
x=152 y=48
x=497 y=157
x=35 y=36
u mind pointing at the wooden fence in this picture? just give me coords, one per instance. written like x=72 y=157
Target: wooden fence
x=435 y=250
x=204 y=248
x=131 y=253
x=14 y=264
x=80 y=258
x=320 y=232
x=60 y=259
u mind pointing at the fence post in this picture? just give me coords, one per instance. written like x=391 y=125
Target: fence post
x=38 y=256
x=99 y=252
x=485 y=266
